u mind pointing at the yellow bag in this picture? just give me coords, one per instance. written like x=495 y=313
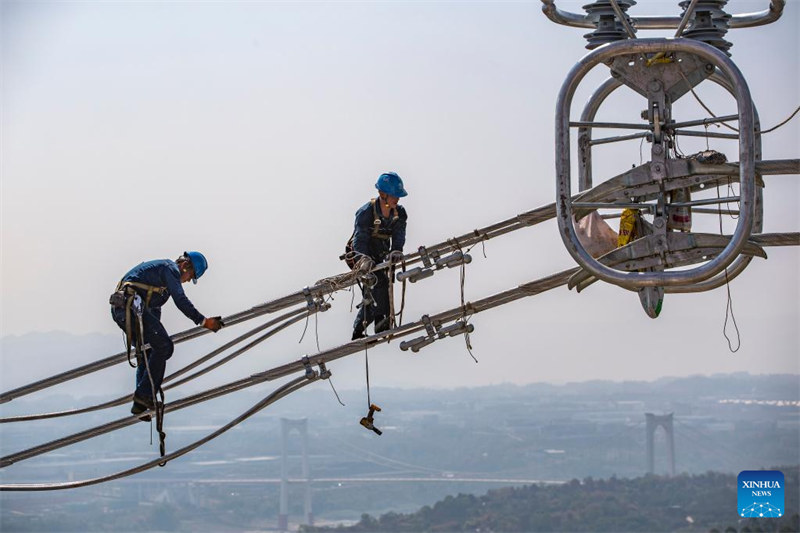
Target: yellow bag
x=627 y=227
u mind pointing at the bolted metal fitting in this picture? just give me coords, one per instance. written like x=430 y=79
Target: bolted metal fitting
x=415 y=274
x=417 y=344
x=454 y=259
x=457 y=328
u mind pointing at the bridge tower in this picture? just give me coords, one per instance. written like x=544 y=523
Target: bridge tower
x=287 y=425
x=653 y=422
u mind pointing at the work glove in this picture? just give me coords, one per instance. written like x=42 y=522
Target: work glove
x=213 y=323
x=396 y=256
x=364 y=264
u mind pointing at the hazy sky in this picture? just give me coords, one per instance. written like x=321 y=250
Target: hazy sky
x=252 y=131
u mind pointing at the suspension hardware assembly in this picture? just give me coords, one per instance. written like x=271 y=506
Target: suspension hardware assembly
x=435 y=331
x=433 y=261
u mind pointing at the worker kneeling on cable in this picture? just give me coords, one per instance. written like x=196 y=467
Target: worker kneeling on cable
x=136 y=308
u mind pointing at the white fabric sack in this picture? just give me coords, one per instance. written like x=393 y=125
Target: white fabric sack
x=595 y=235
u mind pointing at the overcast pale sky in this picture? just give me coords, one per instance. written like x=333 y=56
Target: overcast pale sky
x=252 y=131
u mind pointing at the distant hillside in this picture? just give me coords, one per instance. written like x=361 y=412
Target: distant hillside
x=652 y=503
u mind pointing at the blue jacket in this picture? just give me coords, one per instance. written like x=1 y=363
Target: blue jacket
x=164 y=273
x=394 y=229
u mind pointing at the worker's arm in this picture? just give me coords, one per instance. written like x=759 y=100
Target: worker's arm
x=173 y=283
x=363 y=230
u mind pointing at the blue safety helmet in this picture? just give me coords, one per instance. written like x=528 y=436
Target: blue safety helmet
x=390 y=183
x=199 y=264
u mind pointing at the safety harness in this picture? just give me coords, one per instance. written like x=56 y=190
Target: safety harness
x=378 y=232
x=127 y=296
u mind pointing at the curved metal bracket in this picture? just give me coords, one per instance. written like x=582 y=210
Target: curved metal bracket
x=585 y=175
x=742 y=20
x=741 y=92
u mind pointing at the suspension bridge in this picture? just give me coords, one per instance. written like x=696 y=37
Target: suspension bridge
x=661 y=200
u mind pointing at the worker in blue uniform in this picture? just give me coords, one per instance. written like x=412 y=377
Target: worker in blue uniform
x=136 y=308
x=379 y=234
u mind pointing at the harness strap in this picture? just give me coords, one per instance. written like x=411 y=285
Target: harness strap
x=129 y=330
x=376 y=224
x=130 y=286
x=162 y=435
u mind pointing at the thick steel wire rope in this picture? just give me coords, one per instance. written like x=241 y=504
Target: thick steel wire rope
x=776 y=239
x=282 y=321
x=241 y=350
x=284 y=390
x=508 y=296
x=357 y=346
x=502 y=298
x=344 y=281
x=121 y=357
x=210 y=355
x=322 y=287
x=130 y=420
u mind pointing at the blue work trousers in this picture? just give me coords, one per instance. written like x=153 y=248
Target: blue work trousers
x=379 y=309
x=161 y=348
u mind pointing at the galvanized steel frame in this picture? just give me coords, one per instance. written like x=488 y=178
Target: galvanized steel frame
x=639 y=47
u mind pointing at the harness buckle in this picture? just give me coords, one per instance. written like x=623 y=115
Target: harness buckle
x=138 y=305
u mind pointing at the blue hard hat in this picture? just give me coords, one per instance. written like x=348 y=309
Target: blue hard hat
x=199 y=264
x=390 y=183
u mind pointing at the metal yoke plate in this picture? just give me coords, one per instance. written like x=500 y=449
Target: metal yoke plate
x=633 y=70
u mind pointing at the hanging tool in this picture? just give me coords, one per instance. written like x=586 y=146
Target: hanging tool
x=368 y=421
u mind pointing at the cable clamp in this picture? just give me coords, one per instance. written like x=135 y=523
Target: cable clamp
x=417 y=344
x=310 y=372
x=430 y=327
x=428 y=258
x=310 y=303
x=315 y=303
x=324 y=373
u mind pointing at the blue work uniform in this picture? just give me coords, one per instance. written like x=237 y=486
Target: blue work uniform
x=162 y=273
x=377 y=240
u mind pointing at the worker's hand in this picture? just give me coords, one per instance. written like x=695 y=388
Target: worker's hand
x=213 y=323
x=396 y=256
x=364 y=264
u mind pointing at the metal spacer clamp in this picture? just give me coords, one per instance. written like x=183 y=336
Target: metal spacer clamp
x=430 y=327
x=310 y=372
x=428 y=258
x=324 y=373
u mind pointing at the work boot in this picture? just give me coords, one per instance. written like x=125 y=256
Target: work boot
x=381 y=324
x=358 y=333
x=140 y=405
